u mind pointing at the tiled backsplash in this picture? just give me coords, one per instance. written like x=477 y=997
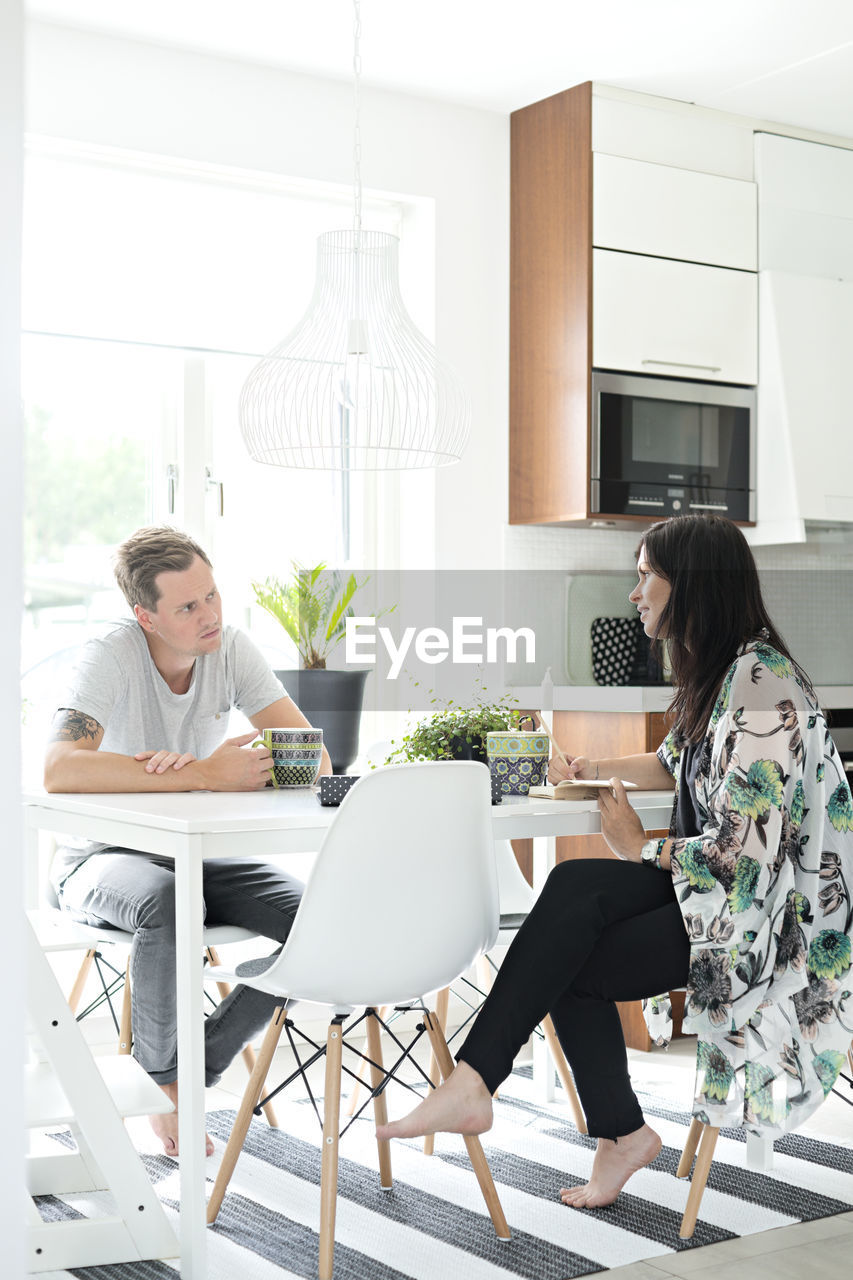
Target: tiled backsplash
x=808 y=586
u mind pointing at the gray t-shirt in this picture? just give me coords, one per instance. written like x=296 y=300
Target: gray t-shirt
x=116 y=682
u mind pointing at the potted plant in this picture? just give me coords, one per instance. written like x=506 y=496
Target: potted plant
x=456 y=732
x=312 y=606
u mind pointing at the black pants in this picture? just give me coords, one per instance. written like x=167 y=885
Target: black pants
x=600 y=931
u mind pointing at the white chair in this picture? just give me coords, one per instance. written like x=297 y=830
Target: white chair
x=56 y=931
x=403 y=897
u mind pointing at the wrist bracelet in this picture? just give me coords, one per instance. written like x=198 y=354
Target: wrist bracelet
x=661 y=844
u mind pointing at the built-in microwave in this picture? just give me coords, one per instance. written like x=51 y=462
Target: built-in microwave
x=662 y=447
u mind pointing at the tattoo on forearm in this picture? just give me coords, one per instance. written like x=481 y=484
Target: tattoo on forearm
x=72 y=726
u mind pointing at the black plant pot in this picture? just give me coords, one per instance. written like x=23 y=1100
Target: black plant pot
x=473 y=750
x=330 y=700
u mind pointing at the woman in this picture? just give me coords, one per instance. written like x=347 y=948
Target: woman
x=748 y=902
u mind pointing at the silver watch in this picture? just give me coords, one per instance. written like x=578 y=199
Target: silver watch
x=650 y=852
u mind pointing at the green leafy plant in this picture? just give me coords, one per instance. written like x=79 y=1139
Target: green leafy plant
x=313 y=607
x=445 y=733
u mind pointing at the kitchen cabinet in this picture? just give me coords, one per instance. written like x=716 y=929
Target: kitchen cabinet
x=667 y=212
x=663 y=131
x=679 y=319
x=806 y=208
x=804 y=446
x=573 y=306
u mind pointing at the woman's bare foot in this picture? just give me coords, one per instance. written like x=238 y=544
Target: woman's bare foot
x=462 y=1104
x=613 y=1165
x=166 y=1126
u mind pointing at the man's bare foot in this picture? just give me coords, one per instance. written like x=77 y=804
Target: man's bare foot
x=613 y=1165
x=166 y=1126
x=462 y=1104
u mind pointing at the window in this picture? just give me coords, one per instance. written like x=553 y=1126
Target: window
x=150 y=288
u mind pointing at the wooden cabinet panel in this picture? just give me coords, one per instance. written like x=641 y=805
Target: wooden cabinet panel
x=657 y=727
x=550 y=285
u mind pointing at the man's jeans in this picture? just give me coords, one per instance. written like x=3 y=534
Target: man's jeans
x=136 y=892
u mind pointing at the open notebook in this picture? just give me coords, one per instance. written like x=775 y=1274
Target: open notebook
x=574 y=789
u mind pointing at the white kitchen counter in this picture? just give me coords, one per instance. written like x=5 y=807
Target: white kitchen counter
x=641 y=698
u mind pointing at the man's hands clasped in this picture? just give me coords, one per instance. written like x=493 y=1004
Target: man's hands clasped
x=234 y=766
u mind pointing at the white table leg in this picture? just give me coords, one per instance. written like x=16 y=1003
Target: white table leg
x=544 y=859
x=188 y=900
x=32 y=868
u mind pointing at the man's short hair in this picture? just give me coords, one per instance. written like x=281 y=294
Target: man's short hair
x=148 y=552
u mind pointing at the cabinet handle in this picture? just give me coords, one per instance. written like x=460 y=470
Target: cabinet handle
x=645 y=502
x=709 y=506
x=679 y=364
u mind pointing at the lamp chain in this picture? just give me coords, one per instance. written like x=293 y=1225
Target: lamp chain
x=356 y=67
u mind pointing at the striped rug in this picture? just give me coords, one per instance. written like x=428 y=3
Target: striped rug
x=433 y=1226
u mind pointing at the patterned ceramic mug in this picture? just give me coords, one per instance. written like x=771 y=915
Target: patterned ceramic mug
x=296 y=755
x=518 y=760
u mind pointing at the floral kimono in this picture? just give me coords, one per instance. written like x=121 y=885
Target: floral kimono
x=766 y=892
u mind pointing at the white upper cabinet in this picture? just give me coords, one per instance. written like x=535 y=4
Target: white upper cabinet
x=806 y=207
x=669 y=133
x=667 y=212
x=676 y=319
x=805 y=441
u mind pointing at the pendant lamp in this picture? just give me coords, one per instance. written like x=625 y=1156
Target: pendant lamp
x=355 y=386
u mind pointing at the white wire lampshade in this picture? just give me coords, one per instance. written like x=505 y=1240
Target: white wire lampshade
x=355 y=386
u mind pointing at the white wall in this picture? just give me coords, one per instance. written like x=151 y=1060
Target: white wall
x=123 y=94
x=12 y=937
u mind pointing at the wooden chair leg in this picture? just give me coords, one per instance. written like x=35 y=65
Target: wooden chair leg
x=247 y=1054
x=559 y=1058
x=244 y=1115
x=442 y=1000
x=80 y=981
x=700 y=1177
x=472 y=1143
x=125 y=1033
x=362 y=1072
x=694 y=1134
x=329 y=1161
x=380 y=1107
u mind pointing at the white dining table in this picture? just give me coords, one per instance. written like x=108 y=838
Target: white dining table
x=192 y=826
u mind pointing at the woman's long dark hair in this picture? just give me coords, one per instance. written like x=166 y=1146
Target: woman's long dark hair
x=715 y=604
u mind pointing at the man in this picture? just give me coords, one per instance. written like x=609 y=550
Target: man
x=147 y=711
